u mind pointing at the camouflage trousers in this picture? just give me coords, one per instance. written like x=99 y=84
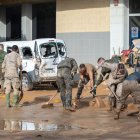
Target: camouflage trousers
x=12 y=83
x=65 y=85
x=130 y=87
x=117 y=89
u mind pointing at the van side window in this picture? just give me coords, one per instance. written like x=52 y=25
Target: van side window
x=27 y=53
x=61 y=49
x=9 y=49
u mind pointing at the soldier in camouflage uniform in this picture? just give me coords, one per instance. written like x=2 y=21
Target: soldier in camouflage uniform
x=117 y=74
x=87 y=74
x=66 y=69
x=10 y=65
x=130 y=87
x=2 y=55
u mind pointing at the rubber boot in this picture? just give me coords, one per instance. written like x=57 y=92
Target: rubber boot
x=124 y=106
x=76 y=103
x=69 y=106
x=110 y=104
x=15 y=100
x=7 y=96
x=79 y=92
x=117 y=114
x=63 y=101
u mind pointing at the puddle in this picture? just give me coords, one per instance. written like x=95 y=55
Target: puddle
x=17 y=125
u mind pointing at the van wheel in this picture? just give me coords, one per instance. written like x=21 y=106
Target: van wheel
x=26 y=82
x=55 y=85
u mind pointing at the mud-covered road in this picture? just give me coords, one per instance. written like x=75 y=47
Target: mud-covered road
x=31 y=122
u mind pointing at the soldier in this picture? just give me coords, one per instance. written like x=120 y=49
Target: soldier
x=2 y=55
x=66 y=69
x=117 y=73
x=87 y=74
x=10 y=65
x=130 y=87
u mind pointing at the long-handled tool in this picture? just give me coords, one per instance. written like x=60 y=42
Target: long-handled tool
x=48 y=104
x=104 y=78
x=21 y=90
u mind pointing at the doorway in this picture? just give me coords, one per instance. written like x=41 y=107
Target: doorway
x=13 y=23
x=44 y=20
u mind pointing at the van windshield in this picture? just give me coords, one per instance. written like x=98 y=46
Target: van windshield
x=48 y=49
x=61 y=49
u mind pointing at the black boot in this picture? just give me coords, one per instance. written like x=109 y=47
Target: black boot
x=79 y=92
x=63 y=99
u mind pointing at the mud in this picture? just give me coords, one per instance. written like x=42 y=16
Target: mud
x=87 y=123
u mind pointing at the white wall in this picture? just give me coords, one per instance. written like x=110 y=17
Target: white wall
x=119 y=26
x=26 y=22
x=2 y=23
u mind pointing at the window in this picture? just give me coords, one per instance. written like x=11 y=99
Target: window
x=61 y=49
x=134 y=6
x=27 y=53
x=9 y=49
x=48 y=50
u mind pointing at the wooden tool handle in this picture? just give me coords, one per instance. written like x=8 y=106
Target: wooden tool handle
x=53 y=97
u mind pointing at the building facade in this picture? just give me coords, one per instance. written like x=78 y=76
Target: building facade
x=90 y=28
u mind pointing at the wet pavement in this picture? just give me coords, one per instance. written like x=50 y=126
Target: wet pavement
x=31 y=122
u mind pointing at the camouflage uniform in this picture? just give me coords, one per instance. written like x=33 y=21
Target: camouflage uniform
x=10 y=67
x=114 y=82
x=130 y=87
x=104 y=71
x=84 y=79
x=64 y=78
x=2 y=55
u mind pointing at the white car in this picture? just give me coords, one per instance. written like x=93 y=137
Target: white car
x=40 y=58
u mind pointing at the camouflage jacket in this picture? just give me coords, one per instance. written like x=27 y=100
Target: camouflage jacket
x=66 y=67
x=111 y=67
x=2 y=55
x=10 y=65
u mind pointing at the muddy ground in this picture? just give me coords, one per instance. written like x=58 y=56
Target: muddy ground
x=87 y=123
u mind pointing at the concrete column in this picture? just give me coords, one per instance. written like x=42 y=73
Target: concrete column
x=2 y=23
x=26 y=22
x=119 y=26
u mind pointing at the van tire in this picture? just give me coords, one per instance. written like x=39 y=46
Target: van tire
x=26 y=82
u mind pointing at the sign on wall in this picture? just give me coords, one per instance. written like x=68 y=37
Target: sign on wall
x=134 y=32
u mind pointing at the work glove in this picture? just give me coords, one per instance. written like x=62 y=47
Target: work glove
x=109 y=84
x=93 y=91
x=73 y=73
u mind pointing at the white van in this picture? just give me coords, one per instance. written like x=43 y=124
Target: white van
x=39 y=60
